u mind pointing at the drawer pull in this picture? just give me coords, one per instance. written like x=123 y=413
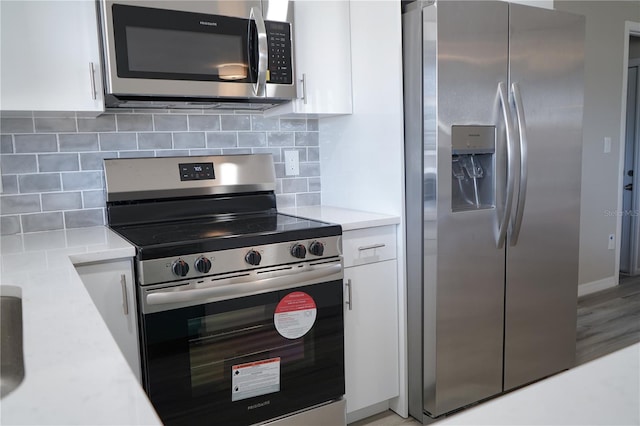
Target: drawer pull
x=371 y=247
x=125 y=298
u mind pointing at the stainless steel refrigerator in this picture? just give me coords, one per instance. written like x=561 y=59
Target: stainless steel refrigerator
x=493 y=142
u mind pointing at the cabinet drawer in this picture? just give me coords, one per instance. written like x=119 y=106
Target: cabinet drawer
x=369 y=245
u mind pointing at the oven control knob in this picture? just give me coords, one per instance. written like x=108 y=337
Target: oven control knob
x=203 y=265
x=253 y=258
x=180 y=268
x=316 y=248
x=298 y=251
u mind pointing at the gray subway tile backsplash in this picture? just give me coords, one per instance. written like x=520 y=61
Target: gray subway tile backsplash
x=259 y=123
x=235 y=122
x=77 y=142
x=10 y=225
x=102 y=123
x=81 y=180
x=6 y=144
x=307 y=139
x=35 y=143
x=9 y=184
x=169 y=122
x=134 y=122
x=252 y=140
x=19 y=163
x=37 y=183
x=293 y=124
x=187 y=140
x=42 y=222
x=55 y=125
x=16 y=125
x=93 y=160
x=221 y=140
x=55 y=201
x=281 y=139
x=58 y=162
x=83 y=218
x=118 y=141
x=12 y=204
x=93 y=199
x=204 y=123
x=154 y=140
x=52 y=165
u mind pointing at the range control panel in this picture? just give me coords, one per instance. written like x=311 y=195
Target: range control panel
x=196 y=171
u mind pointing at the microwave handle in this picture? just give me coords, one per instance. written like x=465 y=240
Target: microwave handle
x=263 y=53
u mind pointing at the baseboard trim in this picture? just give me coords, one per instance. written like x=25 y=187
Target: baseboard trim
x=363 y=413
x=595 y=286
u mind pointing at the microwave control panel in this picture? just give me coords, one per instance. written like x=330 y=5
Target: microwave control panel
x=280 y=52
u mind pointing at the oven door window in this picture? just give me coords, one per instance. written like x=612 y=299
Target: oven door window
x=175 y=45
x=246 y=360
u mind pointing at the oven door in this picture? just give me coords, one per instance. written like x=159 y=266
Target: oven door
x=233 y=359
x=198 y=49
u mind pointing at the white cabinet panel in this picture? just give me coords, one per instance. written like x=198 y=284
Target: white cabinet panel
x=371 y=334
x=47 y=50
x=322 y=59
x=112 y=289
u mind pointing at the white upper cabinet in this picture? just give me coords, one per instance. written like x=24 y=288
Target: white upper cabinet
x=50 y=56
x=322 y=43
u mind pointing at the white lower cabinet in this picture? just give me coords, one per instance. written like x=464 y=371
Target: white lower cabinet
x=371 y=318
x=112 y=289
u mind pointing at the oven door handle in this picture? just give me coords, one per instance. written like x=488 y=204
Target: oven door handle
x=245 y=286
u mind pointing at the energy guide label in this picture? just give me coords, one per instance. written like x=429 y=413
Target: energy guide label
x=295 y=314
x=255 y=379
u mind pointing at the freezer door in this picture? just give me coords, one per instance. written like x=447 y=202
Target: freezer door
x=546 y=70
x=465 y=300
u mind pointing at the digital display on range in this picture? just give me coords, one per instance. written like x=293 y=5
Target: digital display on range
x=196 y=171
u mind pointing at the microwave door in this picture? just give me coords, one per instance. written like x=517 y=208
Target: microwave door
x=170 y=53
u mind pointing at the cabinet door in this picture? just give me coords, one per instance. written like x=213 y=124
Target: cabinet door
x=322 y=59
x=49 y=49
x=371 y=334
x=111 y=287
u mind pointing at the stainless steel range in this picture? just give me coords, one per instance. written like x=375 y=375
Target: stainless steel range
x=240 y=307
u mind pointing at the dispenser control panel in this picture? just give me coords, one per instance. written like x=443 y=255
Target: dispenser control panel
x=473 y=139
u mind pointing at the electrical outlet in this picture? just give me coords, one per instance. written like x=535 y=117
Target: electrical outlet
x=607 y=145
x=612 y=241
x=291 y=163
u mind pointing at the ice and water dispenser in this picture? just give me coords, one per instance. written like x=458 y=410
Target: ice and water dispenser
x=472 y=165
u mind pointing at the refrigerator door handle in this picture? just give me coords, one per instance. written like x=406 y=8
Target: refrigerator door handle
x=524 y=173
x=503 y=222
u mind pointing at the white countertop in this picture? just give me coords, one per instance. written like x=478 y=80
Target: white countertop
x=349 y=219
x=605 y=391
x=74 y=370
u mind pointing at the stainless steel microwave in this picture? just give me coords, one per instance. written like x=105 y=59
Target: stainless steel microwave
x=184 y=53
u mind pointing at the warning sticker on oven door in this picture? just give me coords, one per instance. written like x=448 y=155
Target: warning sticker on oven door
x=295 y=315
x=255 y=378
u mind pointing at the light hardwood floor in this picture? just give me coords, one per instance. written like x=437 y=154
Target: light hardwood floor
x=608 y=320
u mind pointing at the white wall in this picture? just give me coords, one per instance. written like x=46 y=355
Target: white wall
x=362 y=155
x=604 y=70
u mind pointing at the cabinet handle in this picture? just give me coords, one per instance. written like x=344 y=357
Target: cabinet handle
x=371 y=247
x=304 y=88
x=92 y=79
x=125 y=299
x=349 y=302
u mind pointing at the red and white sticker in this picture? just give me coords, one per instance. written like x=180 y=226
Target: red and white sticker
x=255 y=378
x=295 y=315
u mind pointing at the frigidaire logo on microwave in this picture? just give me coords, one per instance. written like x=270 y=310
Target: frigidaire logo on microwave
x=211 y=24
